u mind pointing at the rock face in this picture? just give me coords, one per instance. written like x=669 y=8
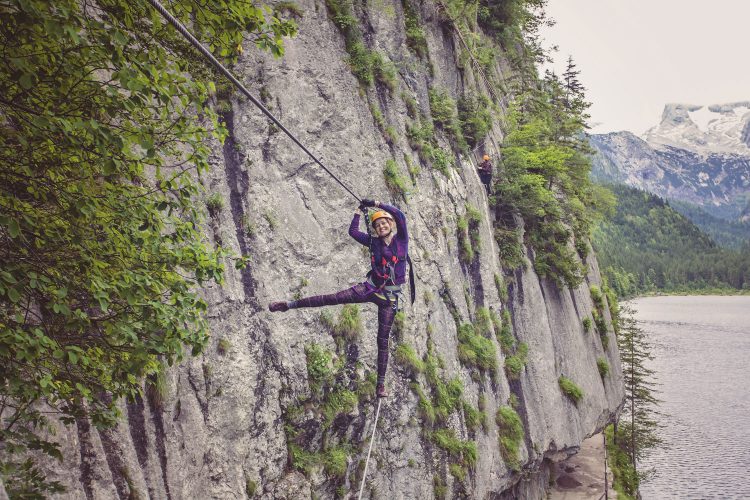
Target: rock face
x=218 y=428
x=699 y=155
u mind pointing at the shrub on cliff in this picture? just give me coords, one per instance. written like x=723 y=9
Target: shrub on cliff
x=99 y=219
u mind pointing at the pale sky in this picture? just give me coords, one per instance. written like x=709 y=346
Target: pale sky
x=637 y=55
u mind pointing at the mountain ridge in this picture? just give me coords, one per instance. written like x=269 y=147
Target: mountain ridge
x=679 y=160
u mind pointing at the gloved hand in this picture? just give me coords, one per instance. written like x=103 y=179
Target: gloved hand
x=365 y=202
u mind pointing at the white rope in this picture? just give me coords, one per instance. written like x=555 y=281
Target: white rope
x=372 y=440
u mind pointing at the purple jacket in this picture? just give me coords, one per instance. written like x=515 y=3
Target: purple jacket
x=381 y=252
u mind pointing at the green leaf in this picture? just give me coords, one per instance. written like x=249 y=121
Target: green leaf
x=13 y=228
x=13 y=295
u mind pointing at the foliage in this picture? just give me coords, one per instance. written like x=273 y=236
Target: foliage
x=415 y=35
x=349 y=325
x=474 y=117
x=440 y=489
x=395 y=182
x=442 y=107
x=465 y=451
x=445 y=115
x=509 y=246
x=422 y=139
x=368 y=66
x=505 y=336
x=334 y=461
x=223 y=346
x=215 y=204
x=407 y=358
x=319 y=365
x=515 y=364
x=483 y=322
x=625 y=477
x=250 y=488
x=502 y=289
x=546 y=179
x=469 y=241
x=603 y=367
x=100 y=154
x=336 y=402
x=664 y=251
x=399 y=324
x=302 y=459
x=441 y=160
x=474 y=218
x=596 y=296
x=457 y=471
x=637 y=429
x=157 y=389
x=473 y=417
x=384 y=70
x=476 y=350
x=288 y=7
x=570 y=389
x=466 y=251
x=587 y=324
x=510 y=431
x=516 y=24
x=730 y=234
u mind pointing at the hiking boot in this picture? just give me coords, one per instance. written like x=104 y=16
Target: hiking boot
x=278 y=307
x=380 y=391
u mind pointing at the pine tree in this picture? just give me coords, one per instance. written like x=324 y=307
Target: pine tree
x=637 y=428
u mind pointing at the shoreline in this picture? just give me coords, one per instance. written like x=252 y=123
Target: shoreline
x=581 y=476
x=689 y=293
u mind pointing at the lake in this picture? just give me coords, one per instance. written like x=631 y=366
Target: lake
x=701 y=347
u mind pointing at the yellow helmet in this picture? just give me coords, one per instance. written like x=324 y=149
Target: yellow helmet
x=486 y=157
x=379 y=215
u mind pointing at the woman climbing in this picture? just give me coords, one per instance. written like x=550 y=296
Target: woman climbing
x=388 y=250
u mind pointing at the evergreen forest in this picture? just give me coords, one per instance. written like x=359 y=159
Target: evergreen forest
x=647 y=246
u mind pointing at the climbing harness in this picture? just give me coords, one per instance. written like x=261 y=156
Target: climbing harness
x=194 y=41
x=392 y=289
x=372 y=440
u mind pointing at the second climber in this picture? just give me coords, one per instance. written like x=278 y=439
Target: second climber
x=485 y=173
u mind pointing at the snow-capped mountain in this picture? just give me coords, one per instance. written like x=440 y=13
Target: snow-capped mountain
x=700 y=155
x=706 y=130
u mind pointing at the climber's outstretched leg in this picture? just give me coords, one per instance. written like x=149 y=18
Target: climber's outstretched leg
x=354 y=295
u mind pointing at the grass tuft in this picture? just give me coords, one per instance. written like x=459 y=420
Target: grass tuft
x=511 y=434
x=570 y=389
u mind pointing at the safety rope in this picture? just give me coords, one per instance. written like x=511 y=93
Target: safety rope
x=372 y=440
x=194 y=41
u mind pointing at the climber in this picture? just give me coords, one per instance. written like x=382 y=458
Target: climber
x=388 y=254
x=485 y=173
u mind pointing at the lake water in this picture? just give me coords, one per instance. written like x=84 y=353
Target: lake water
x=701 y=347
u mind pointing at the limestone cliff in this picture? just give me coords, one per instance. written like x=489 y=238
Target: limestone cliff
x=221 y=424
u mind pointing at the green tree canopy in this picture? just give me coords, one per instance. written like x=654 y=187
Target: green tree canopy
x=546 y=179
x=105 y=128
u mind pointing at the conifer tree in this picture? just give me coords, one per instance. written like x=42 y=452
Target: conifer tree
x=637 y=429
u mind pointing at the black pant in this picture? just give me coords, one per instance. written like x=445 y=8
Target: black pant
x=487 y=181
x=358 y=294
